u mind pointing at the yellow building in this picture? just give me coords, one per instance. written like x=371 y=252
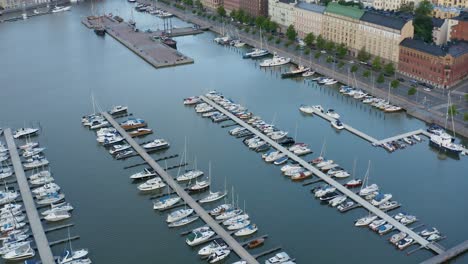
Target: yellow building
x=445 y=12
x=308 y=18
x=451 y=3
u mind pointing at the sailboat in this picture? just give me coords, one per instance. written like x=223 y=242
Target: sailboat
x=213 y=196
x=166 y=201
x=131 y=21
x=297 y=71
x=367 y=189
x=257 y=53
x=354 y=182
x=72 y=255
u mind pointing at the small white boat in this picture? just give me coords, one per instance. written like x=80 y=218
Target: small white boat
x=62 y=207
x=146 y=173
x=29 y=145
x=165 y=202
x=72 y=255
x=58 y=9
x=24 y=132
x=275 y=61
x=369 y=189
x=219 y=255
x=235 y=219
x=189 y=175
x=46 y=188
x=331 y=113
x=220 y=209
x=394 y=239
x=20 y=253
x=246 y=231
x=365 y=220
x=213 y=196
x=229 y=214
x=417 y=138
x=404 y=243
x=376 y=223
x=428 y=232
x=217 y=244
x=197 y=238
x=152 y=184
x=381 y=198
x=337 y=124
x=36 y=163
x=56 y=216
x=41 y=174
x=156 y=144
x=51 y=198
x=281 y=257
x=118 y=109
x=239 y=224
x=32 y=151
x=115 y=149
x=178 y=215
x=184 y=221
x=337 y=200
x=324 y=163
x=192 y=100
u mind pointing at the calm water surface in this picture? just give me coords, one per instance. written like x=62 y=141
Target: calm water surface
x=51 y=64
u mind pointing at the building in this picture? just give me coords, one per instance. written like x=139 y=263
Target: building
x=440 y=31
x=444 y=12
x=230 y=5
x=459 y=29
x=212 y=4
x=442 y=67
x=308 y=18
x=451 y=3
x=381 y=35
x=341 y=25
x=255 y=7
x=389 y=5
x=282 y=11
x=18 y=4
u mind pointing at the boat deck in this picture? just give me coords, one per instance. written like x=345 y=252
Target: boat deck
x=141 y=43
x=349 y=193
x=220 y=231
x=37 y=229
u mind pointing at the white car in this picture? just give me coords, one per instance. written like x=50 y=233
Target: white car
x=427 y=89
x=323 y=51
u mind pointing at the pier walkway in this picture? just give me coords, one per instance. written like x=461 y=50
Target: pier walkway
x=448 y=254
x=351 y=195
x=42 y=243
x=233 y=244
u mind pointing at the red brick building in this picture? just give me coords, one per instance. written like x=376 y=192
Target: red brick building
x=255 y=7
x=230 y=5
x=439 y=66
x=460 y=30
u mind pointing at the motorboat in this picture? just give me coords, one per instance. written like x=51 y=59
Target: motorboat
x=133 y=123
x=152 y=184
x=418 y=138
x=20 y=253
x=364 y=221
x=235 y=219
x=408 y=219
x=281 y=257
x=383 y=229
x=298 y=71
x=381 y=198
x=11 y=208
x=369 y=189
x=56 y=216
x=12 y=246
x=281 y=160
x=274 y=156
x=8 y=197
x=58 y=9
x=288 y=167
x=394 y=239
x=388 y=205
x=239 y=224
x=324 y=190
x=5 y=172
x=228 y=214
x=199 y=237
x=41 y=180
x=184 y=221
x=115 y=149
x=178 y=215
x=139 y=132
x=11 y=226
x=165 y=202
x=341 y=174
x=331 y=113
x=330 y=82
x=118 y=109
x=277 y=135
x=337 y=200
x=72 y=255
x=255 y=243
x=301 y=175
x=294 y=172
x=329 y=196
x=317 y=160
x=156 y=144
x=246 y=231
x=376 y=223
x=445 y=143
x=275 y=61
x=404 y=243
x=301 y=151
x=32 y=151
x=192 y=100
x=337 y=124
x=428 y=232
x=217 y=244
x=219 y=255
x=146 y=173
x=434 y=237
x=22 y=132
x=353 y=183
x=256 y=53
x=29 y=145
x=62 y=207
x=51 y=198
x=46 y=188
x=190 y=175
x=308 y=73
x=220 y=209
x=96 y=124
x=36 y=163
x=401 y=215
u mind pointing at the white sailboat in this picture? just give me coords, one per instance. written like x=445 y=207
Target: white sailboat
x=213 y=196
x=367 y=189
x=70 y=255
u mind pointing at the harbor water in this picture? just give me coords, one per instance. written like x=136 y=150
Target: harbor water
x=50 y=65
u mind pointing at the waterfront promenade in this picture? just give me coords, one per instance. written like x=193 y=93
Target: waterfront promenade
x=42 y=243
x=351 y=195
x=200 y=211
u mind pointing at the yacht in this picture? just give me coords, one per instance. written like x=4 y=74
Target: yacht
x=184 y=221
x=256 y=53
x=56 y=216
x=394 y=239
x=152 y=184
x=228 y=214
x=213 y=196
x=306 y=109
x=146 y=173
x=199 y=237
x=408 y=219
x=353 y=183
x=337 y=124
x=139 y=132
x=20 y=253
x=46 y=188
x=369 y=189
x=445 y=143
x=239 y=224
x=365 y=220
x=57 y=9
x=308 y=73
x=275 y=61
x=331 y=113
x=22 y=132
x=69 y=256
x=304 y=150
x=388 y=205
x=51 y=198
x=219 y=255
x=428 y=232
x=165 y=202
x=274 y=156
x=133 y=123
x=178 y=215
x=404 y=243
x=324 y=190
x=376 y=223
x=217 y=244
x=278 y=258
x=189 y=175
x=192 y=100
x=337 y=200
x=115 y=149
x=381 y=198
x=118 y=109
x=298 y=71
x=156 y=144
x=62 y=207
x=246 y=231
x=301 y=175
x=199 y=186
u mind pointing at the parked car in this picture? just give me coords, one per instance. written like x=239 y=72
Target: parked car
x=401 y=80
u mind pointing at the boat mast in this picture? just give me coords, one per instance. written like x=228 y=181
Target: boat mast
x=354 y=168
x=209 y=175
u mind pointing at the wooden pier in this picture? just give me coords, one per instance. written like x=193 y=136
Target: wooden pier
x=141 y=43
x=200 y=211
x=42 y=243
x=350 y=194
x=448 y=254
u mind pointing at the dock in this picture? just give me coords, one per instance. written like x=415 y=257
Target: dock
x=200 y=211
x=42 y=243
x=448 y=254
x=179 y=32
x=349 y=193
x=152 y=51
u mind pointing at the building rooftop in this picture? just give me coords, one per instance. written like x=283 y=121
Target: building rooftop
x=384 y=20
x=456 y=49
x=437 y=22
x=348 y=11
x=462 y=17
x=311 y=7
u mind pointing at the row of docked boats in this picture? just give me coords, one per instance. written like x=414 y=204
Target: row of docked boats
x=148 y=8
x=365 y=98
x=402 y=143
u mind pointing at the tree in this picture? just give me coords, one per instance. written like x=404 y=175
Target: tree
x=221 y=11
x=389 y=69
x=188 y=2
x=423 y=21
x=366 y=74
x=394 y=84
x=377 y=64
x=466 y=97
x=465 y=117
x=407 y=7
x=341 y=65
x=198 y=4
x=291 y=33
x=424 y=8
x=260 y=21
x=320 y=42
x=329 y=59
x=330 y=46
x=363 y=55
x=317 y=55
x=307 y=51
x=412 y=91
x=354 y=68
x=309 y=39
x=341 y=51
x=452 y=110
x=380 y=79
x=278 y=41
